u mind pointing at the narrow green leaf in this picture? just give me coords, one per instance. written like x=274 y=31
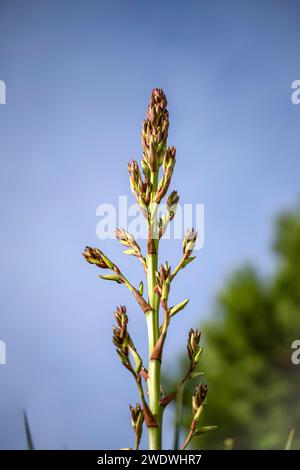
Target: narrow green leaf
x=289 y=441
x=111 y=277
x=196 y=374
x=187 y=261
x=107 y=261
x=204 y=429
x=178 y=307
x=129 y=252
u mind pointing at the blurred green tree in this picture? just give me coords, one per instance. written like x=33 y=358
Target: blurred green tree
x=254 y=388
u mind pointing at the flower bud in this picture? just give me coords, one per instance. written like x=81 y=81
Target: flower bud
x=169 y=158
x=155 y=130
x=95 y=256
x=199 y=397
x=137 y=418
x=194 y=350
x=120 y=335
x=172 y=199
x=189 y=242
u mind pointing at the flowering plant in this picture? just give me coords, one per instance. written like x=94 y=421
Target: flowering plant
x=149 y=187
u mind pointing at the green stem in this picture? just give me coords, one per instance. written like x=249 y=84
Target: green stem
x=153 y=330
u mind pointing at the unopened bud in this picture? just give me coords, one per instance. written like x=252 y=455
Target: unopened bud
x=155 y=130
x=194 y=350
x=163 y=278
x=137 y=418
x=120 y=335
x=95 y=256
x=189 y=242
x=172 y=199
x=169 y=158
x=199 y=397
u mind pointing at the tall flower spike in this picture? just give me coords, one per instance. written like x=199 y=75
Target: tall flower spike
x=155 y=130
x=150 y=185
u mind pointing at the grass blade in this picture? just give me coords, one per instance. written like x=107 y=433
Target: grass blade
x=30 y=445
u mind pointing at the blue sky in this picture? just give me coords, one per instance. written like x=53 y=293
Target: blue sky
x=78 y=77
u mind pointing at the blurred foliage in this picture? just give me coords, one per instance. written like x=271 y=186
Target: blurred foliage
x=254 y=389
x=29 y=441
